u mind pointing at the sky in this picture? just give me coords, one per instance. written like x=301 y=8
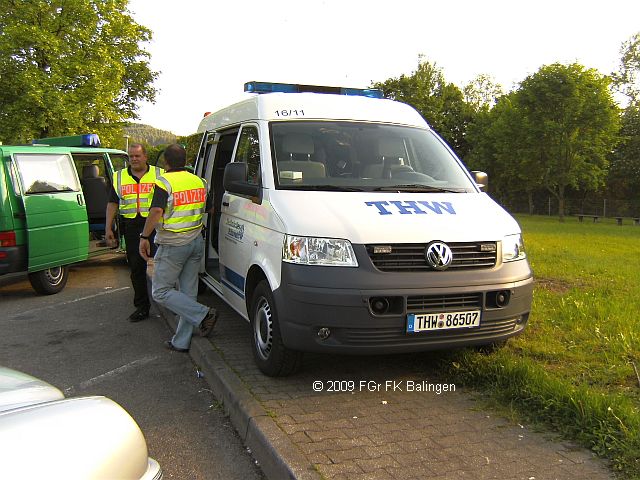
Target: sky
x=205 y=50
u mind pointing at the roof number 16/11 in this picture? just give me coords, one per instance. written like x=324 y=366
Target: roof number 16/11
x=289 y=113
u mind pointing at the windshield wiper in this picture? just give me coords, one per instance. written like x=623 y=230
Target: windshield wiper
x=417 y=187
x=327 y=188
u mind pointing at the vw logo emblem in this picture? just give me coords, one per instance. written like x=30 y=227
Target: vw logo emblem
x=438 y=255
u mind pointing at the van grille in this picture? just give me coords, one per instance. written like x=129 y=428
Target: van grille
x=397 y=335
x=409 y=257
x=439 y=303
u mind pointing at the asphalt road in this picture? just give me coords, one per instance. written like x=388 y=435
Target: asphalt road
x=80 y=341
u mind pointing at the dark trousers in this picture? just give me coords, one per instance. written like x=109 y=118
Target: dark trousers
x=132 y=228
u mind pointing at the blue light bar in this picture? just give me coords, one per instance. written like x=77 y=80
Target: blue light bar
x=363 y=92
x=268 y=87
x=86 y=140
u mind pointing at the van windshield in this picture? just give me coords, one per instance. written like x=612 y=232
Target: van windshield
x=358 y=156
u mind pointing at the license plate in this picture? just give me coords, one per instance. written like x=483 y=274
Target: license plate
x=424 y=322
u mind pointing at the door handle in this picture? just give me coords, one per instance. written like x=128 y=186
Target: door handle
x=225 y=204
x=80 y=199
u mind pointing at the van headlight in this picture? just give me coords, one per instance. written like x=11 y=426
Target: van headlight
x=318 y=251
x=513 y=248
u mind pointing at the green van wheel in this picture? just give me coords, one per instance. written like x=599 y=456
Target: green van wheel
x=49 y=281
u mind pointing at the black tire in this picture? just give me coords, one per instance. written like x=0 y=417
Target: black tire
x=271 y=356
x=49 y=281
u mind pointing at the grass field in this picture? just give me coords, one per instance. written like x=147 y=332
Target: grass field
x=573 y=368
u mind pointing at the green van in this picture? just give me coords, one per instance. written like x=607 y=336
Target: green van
x=53 y=197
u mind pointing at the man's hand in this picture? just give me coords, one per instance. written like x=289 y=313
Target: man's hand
x=111 y=238
x=144 y=249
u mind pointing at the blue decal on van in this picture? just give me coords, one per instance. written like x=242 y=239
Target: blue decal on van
x=234 y=281
x=411 y=207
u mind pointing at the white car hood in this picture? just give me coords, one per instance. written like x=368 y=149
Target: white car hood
x=18 y=389
x=373 y=217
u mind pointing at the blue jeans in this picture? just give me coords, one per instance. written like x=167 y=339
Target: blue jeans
x=179 y=265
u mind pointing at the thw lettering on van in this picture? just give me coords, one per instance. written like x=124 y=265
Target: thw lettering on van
x=411 y=207
x=195 y=195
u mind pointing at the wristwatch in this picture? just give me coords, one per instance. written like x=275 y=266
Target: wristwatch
x=142 y=236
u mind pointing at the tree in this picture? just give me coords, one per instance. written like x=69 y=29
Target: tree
x=69 y=67
x=623 y=183
x=569 y=124
x=440 y=103
x=498 y=139
x=627 y=78
x=482 y=92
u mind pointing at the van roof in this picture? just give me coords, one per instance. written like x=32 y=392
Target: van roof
x=313 y=106
x=9 y=149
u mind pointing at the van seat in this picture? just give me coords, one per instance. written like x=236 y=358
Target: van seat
x=94 y=188
x=391 y=151
x=297 y=149
x=297 y=146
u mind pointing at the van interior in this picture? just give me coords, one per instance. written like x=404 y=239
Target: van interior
x=96 y=186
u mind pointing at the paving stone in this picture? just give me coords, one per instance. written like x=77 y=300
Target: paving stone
x=347 y=469
x=320 y=435
x=339 y=456
x=378 y=463
x=375 y=475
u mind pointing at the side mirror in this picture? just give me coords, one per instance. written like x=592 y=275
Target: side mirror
x=235 y=181
x=481 y=179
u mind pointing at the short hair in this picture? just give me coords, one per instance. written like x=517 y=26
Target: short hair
x=175 y=155
x=140 y=146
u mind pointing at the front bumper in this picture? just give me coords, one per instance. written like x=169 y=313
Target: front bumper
x=312 y=297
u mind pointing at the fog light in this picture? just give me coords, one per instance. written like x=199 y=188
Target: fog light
x=502 y=298
x=379 y=305
x=324 y=333
x=498 y=298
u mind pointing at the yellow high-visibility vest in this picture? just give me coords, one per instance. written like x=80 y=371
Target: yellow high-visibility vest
x=135 y=197
x=187 y=197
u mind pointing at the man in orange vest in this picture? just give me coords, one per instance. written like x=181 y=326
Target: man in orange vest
x=131 y=197
x=179 y=202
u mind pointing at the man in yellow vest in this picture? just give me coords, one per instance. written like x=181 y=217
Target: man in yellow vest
x=131 y=196
x=178 y=205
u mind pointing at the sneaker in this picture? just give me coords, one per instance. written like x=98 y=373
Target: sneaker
x=139 y=314
x=207 y=324
x=169 y=346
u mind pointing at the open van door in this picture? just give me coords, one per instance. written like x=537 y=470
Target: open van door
x=56 y=215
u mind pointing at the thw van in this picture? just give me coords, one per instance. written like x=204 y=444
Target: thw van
x=344 y=224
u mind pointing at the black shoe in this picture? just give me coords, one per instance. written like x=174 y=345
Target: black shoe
x=207 y=324
x=139 y=314
x=168 y=345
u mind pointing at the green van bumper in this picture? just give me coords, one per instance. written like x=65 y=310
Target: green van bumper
x=13 y=259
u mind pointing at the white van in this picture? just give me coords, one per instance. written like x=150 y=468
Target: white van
x=344 y=224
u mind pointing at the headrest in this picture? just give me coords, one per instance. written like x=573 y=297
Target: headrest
x=90 y=171
x=391 y=147
x=297 y=143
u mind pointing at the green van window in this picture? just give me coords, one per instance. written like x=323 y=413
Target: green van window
x=46 y=173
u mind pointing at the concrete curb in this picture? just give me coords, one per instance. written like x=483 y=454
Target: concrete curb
x=278 y=457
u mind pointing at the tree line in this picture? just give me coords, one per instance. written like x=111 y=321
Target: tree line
x=558 y=137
